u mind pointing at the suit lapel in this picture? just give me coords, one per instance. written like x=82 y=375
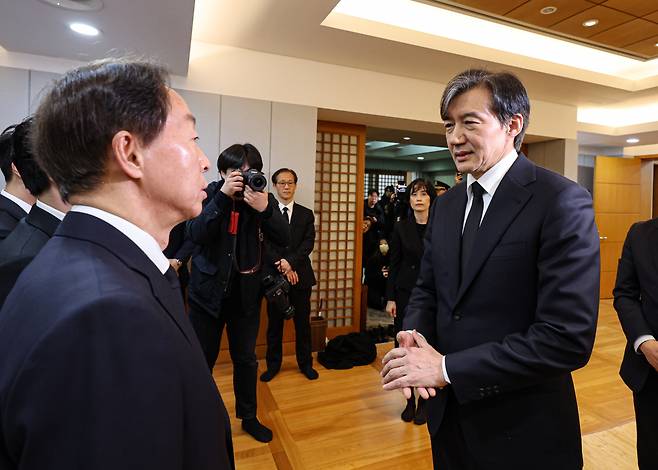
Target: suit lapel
x=86 y=227
x=510 y=197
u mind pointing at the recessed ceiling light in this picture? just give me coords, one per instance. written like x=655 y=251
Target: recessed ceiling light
x=632 y=140
x=656 y=44
x=406 y=138
x=590 y=23
x=420 y=158
x=76 y=5
x=548 y=10
x=84 y=29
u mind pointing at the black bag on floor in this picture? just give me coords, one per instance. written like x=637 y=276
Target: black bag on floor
x=347 y=351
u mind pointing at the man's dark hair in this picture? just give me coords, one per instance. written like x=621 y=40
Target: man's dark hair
x=372 y=190
x=508 y=96
x=78 y=118
x=34 y=178
x=441 y=184
x=422 y=183
x=237 y=155
x=6 y=153
x=276 y=174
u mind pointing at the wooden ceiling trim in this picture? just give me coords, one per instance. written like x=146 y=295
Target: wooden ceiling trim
x=627 y=33
x=638 y=8
x=530 y=12
x=608 y=18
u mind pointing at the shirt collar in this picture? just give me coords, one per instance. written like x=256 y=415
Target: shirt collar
x=51 y=210
x=22 y=204
x=491 y=179
x=289 y=206
x=139 y=237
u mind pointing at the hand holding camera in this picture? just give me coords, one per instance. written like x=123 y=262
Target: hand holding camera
x=233 y=183
x=256 y=199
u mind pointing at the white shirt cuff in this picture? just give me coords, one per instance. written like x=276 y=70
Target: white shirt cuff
x=445 y=372
x=641 y=340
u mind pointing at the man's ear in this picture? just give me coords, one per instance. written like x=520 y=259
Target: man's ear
x=127 y=152
x=515 y=125
x=15 y=171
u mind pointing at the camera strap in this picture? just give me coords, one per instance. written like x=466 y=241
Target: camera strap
x=233 y=224
x=233 y=231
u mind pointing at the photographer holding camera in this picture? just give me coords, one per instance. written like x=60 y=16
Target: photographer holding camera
x=293 y=262
x=225 y=284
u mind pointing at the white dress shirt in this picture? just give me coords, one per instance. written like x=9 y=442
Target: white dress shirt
x=51 y=210
x=289 y=206
x=490 y=181
x=22 y=204
x=139 y=237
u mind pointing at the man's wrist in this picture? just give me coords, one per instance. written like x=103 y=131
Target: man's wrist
x=640 y=341
x=445 y=371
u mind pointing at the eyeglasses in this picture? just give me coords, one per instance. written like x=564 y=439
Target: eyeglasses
x=285 y=183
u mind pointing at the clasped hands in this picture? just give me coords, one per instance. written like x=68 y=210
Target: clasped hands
x=415 y=364
x=284 y=268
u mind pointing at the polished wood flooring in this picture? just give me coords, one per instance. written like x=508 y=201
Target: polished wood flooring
x=344 y=420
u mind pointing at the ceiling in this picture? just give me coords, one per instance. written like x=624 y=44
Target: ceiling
x=290 y=28
x=403 y=145
x=626 y=26
x=127 y=27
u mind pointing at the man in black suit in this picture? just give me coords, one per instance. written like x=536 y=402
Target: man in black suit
x=33 y=231
x=99 y=367
x=15 y=200
x=636 y=303
x=507 y=299
x=294 y=263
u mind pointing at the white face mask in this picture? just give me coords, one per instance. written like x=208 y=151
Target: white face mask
x=383 y=248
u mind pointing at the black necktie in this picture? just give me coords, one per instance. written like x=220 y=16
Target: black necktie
x=285 y=212
x=472 y=224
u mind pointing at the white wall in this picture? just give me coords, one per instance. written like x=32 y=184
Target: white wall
x=283 y=133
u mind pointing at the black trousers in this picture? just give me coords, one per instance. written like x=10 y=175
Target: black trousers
x=646 y=420
x=301 y=300
x=449 y=448
x=242 y=330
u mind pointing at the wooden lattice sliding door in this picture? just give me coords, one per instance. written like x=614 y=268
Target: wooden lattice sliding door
x=339 y=170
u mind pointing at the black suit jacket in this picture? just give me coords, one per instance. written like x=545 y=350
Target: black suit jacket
x=10 y=214
x=522 y=319
x=100 y=366
x=636 y=297
x=213 y=269
x=406 y=253
x=298 y=251
x=22 y=245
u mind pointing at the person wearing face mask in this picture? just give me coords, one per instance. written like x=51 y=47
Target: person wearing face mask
x=406 y=253
x=225 y=283
x=376 y=274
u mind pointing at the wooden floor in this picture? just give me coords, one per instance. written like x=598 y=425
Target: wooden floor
x=344 y=420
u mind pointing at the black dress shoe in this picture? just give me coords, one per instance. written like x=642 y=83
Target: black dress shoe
x=254 y=428
x=421 y=412
x=268 y=375
x=409 y=410
x=310 y=373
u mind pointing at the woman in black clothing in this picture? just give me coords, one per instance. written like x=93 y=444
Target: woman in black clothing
x=406 y=253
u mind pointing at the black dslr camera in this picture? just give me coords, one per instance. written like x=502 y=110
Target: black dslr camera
x=276 y=292
x=254 y=179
